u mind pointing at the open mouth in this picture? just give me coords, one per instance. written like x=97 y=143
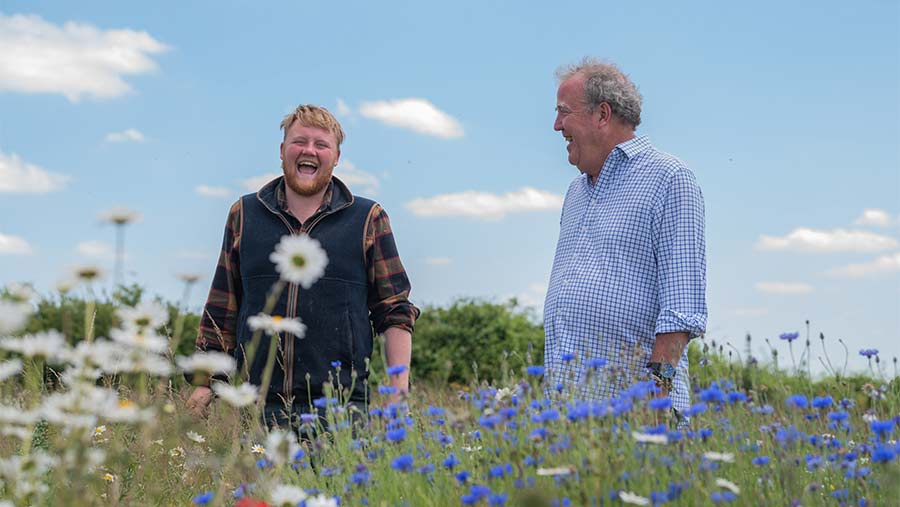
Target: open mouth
x=307 y=167
x=568 y=138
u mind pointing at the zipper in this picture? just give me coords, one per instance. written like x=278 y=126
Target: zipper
x=293 y=295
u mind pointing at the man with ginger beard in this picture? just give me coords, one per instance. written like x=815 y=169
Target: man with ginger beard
x=364 y=289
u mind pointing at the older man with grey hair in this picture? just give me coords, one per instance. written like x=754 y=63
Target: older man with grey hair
x=628 y=285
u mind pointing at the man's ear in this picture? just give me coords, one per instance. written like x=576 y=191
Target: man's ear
x=281 y=151
x=604 y=114
x=338 y=157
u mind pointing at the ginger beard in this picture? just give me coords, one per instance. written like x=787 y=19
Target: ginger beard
x=304 y=179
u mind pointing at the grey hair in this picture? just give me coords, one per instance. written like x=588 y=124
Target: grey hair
x=604 y=82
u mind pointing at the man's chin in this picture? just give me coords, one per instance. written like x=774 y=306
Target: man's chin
x=307 y=188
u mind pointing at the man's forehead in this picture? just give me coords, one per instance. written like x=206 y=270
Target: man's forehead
x=298 y=129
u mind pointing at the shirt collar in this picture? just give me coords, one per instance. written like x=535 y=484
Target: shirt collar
x=634 y=146
x=281 y=196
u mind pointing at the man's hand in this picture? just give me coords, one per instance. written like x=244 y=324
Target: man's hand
x=198 y=403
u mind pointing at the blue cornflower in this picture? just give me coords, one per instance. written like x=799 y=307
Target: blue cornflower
x=396 y=435
x=308 y=418
x=335 y=364
x=764 y=410
x=427 y=469
x=479 y=491
x=387 y=389
x=736 y=397
x=696 y=409
x=840 y=494
x=722 y=497
x=547 y=416
x=712 y=394
x=535 y=371
x=761 y=460
x=660 y=403
x=883 y=454
x=596 y=362
x=462 y=476
x=435 y=411
x=822 y=401
x=882 y=428
x=496 y=472
x=497 y=499
x=789 y=337
x=361 y=476
x=396 y=370
x=403 y=463
x=203 y=498
x=451 y=461
x=796 y=400
x=567 y=356
x=263 y=463
x=838 y=416
x=868 y=352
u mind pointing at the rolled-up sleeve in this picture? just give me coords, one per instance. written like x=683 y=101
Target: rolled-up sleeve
x=218 y=324
x=389 y=286
x=680 y=249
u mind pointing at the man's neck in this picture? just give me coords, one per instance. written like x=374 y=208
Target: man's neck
x=303 y=206
x=623 y=136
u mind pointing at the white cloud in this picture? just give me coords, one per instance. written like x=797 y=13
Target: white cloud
x=877 y=217
x=438 y=261
x=343 y=109
x=13 y=245
x=95 y=249
x=207 y=191
x=837 y=240
x=484 y=205
x=415 y=114
x=360 y=182
x=74 y=59
x=257 y=182
x=18 y=176
x=533 y=297
x=882 y=265
x=133 y=135
x=784 y=287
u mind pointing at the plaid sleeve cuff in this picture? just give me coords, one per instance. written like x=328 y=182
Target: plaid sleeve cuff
x=671 y=321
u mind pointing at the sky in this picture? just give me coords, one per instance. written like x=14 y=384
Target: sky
x=787 y=112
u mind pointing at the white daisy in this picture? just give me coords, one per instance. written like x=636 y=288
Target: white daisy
x=46 y=344
x=120 y=216
x=146 y=315
x=299 y=259
x=141 y=338
x=257 y=449
x=633 y=499
x=13 y=315
x=272 y=324
x=321 y=501
x=240 y=396
x=569 y=470
x=196 y=437
x=725 y=457
x=20 y=292
x=87 y=273
x=284 y=494
x=10 y=368
x=645 y=438
x=281 y=446
x=208 y=362
x=725 y=483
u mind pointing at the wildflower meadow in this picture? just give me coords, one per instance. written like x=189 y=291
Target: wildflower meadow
x=91 y=418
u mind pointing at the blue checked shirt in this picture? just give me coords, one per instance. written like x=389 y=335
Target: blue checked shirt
x=630 y=264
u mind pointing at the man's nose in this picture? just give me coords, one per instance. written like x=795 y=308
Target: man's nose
x=557 y=124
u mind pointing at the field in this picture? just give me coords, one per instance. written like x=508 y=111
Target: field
x=91 y=421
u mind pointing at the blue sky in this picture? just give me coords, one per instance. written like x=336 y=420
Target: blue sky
x=787 y=112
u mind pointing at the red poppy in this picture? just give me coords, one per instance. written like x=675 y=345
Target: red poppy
x=251 y=502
